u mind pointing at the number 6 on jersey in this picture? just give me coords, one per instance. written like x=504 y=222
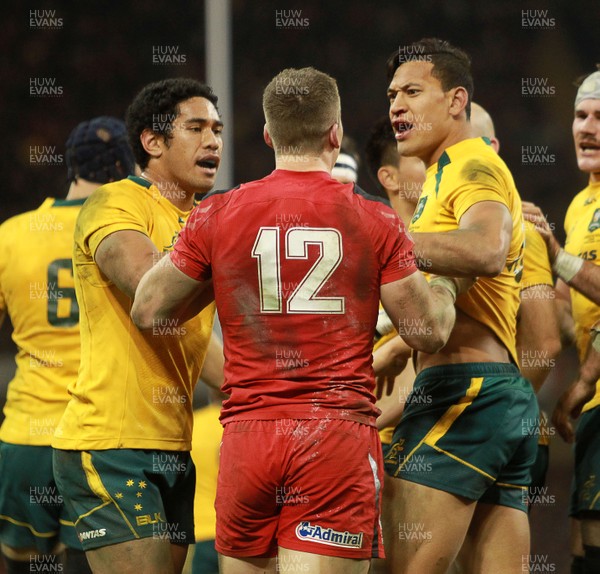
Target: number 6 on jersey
x=304 y=298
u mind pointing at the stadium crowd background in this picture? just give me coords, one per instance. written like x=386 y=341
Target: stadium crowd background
x=525 y=56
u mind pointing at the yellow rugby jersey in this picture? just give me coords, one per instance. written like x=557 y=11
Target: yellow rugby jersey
x=582 y=223
x=206 y=441
x=134 y=389
x=536 y=265
x=467 y=173
x=37 y=291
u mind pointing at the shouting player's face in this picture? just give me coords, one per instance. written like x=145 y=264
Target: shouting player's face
x=419 y=110
x=586 y=133
x=191 y=157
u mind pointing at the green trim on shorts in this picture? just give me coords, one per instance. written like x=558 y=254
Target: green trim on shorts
x=32 y=510
x=120 y=495
x=468 y=429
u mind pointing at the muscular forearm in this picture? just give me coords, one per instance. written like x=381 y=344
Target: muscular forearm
x=124 y=257
x=587 y=281
x=165 y=292
x=127 y=280
x=589 y=372
x=459 y=253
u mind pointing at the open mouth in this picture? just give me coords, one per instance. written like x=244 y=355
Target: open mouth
x=208 y=165
x=401 y=129
x=589 y=147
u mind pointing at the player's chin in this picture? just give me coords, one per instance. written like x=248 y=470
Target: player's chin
x=407 y=147
x=589 y=164
x=204 y=183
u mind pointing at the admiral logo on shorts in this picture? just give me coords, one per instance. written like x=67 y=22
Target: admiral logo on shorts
x=329 y=536
x=89 y=534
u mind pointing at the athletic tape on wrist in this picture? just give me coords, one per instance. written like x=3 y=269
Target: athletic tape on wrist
x=447 y=283
x=566 y=266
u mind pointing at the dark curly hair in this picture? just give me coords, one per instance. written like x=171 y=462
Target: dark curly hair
x=451 y=65
x=381 y=148
x=156 y=106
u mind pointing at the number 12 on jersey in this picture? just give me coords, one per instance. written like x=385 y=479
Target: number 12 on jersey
x=270 y=262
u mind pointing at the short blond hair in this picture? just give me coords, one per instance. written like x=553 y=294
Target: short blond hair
x=300 y=105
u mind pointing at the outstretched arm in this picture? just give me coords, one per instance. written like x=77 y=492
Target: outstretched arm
x=575 y=271
x=124 y=257
x=165 y=292
x=423 y=313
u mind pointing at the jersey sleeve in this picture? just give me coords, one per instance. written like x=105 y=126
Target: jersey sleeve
x=191 y=253
x=536 y=265
x=479 y=182
x=106 y=211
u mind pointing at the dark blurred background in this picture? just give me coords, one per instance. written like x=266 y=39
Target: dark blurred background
x=97 y=55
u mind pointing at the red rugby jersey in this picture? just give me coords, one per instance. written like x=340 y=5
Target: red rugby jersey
x=297 y=260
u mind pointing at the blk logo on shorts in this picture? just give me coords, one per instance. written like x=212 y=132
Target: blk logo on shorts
x=329 y=536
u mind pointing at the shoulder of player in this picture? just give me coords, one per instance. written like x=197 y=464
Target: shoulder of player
x=486 y=168
x=222 y=195
x=116 y=194
x=581 y=199
x=210 y=205
x=375 y=205
x=359 y=191
x=214 y=201
x=576 y=208
x=21 y=220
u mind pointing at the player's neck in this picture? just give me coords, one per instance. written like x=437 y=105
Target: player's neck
x=81 y=189
x=456 y=135
x=303 y=163
x=594 y=178
x=180 y=198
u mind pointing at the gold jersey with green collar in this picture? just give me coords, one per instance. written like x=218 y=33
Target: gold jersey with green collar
x=582 y=226
x=467 y=173
x=134 y=389
x=37 y=291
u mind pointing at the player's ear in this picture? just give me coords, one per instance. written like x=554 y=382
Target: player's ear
x=495 y=144
x=335 y=136
x=388 y=177
x=267 y=137
x=458 y=100
x=152 y=143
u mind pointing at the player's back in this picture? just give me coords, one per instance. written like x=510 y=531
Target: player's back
x=36 y=285
x=297 y=261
